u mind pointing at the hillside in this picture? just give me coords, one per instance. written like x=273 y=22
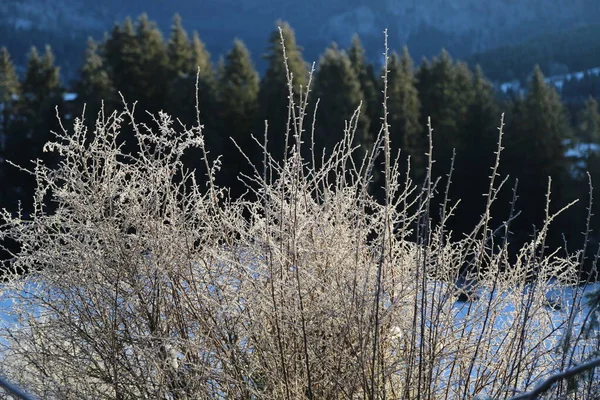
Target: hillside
x=556 y=53
x=461 y=26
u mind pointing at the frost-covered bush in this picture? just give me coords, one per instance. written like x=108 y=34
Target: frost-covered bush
x=146 y=284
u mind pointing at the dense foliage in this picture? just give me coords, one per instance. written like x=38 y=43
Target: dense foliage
x=164 y=73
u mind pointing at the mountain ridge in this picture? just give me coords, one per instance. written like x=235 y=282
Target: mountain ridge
x=463 y=27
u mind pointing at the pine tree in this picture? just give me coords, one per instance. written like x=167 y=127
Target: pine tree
x=274 y=93
x=339 y=91
x=41 y=93
x=10 y=92
x=94 y=85
x=588 y=122
x=535 y=150
x=152 y=79
x=369 y=87
x=462 y=98
x=182 y=100
x=200 y=57
x=238 y=105
x=179 y=51
x=121 y=52
x=194 y=62
x=476 y=156
x=587 y=133
x=136 y=59
x=406 y=133
x=445 y=91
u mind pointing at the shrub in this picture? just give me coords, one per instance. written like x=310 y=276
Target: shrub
x=145 y=283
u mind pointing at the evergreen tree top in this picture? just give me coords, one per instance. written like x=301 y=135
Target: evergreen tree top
x=238 y=69
x=178 y=35
x=276 y=68
x=200 y=56
x=357 y=52
x=179 y=49
x=406 y=60
x=9 y=81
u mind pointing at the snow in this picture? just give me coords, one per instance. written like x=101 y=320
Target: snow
x=70 y=96
x=582 y=149
x=462 y=313
x=557 y=81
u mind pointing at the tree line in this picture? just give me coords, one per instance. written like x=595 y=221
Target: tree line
x=137 y=61
x=557 y=52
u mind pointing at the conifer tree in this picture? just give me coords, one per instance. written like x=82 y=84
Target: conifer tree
x=153 y=72
x=435 y=81
x=10 y=92
x=588 y=122
x=182 y=73
x=274 y=92
x=445 y=91
x=238 y=106
x=587 y=132
x=476 y=156
x=182 y=100
x=462 y=98
x=368 y=85
x=406 y=133
x=41 y=93
x=207 y=85
x=193 y=62
x=339 y=91
x=94 y=85
x=535 y=150
x=179 y=51
x=122 y=54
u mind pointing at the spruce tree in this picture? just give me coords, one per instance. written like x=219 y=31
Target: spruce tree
x=368 y=85
x=406 y=133
x=588 y=133
x=94 y=85
x=435 y=81
x=338 y=88
x=445 y=91
x=587 y=136
x=462 y=98
x=194 y=62
x=179 y=51
x=10 y=92
x=121 y=52
x=153 y=72
x=180 y=92
x=535 y=150
x=238 y=107
x=476 y=156
x=182 y=100
x=41 y=93
x=274 y=93
x=588 y=122
x=207 y=84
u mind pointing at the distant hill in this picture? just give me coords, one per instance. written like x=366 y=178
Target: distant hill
x=461 y=26
x=557 y=52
